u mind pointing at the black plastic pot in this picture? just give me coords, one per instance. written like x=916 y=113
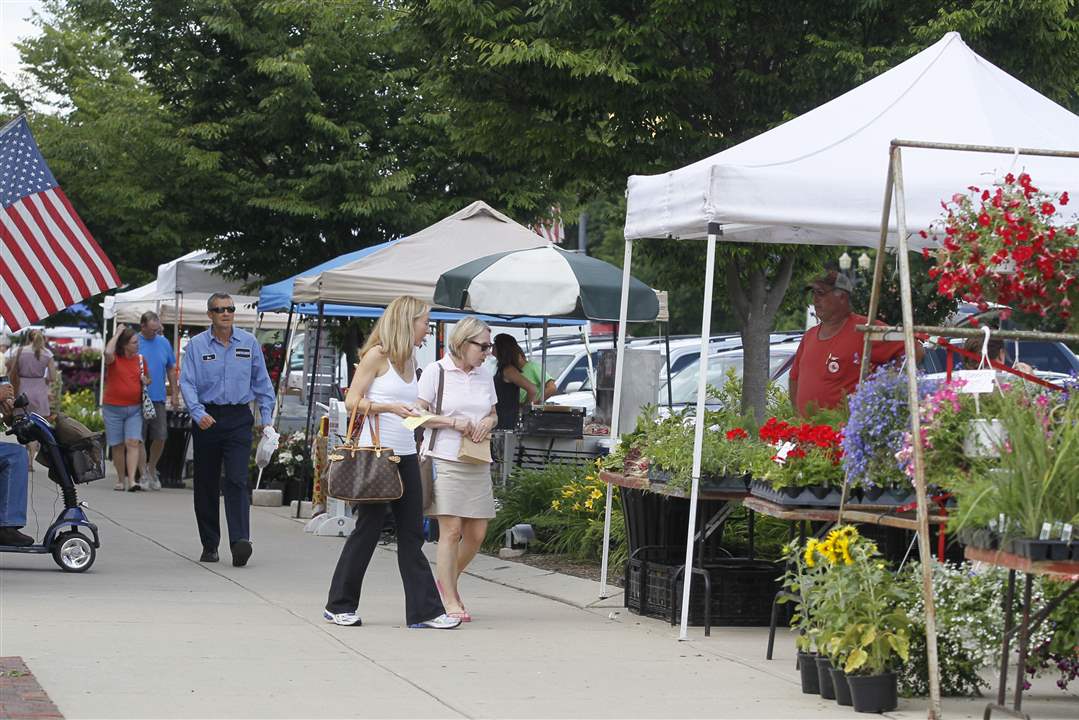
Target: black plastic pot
x=872 y=493
x=824 y=678
x=820 y=491
x=807 y=666
x=1058 y=550
x=1031 y=548
x=1075 y=549
x=792 y=491
x=842 y=688
x=873 y=693
x=658 y=475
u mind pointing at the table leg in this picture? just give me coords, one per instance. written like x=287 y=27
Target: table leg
x=1009 y=595
x=1024 y=637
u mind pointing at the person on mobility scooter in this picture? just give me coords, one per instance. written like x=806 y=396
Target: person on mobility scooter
x=72 y=454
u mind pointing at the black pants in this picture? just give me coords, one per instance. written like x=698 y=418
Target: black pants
x=422 y=601
x=225 y=443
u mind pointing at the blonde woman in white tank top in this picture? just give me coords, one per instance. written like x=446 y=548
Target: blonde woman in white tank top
x=384 y=386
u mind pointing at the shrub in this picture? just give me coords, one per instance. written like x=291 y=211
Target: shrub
x=82 y=406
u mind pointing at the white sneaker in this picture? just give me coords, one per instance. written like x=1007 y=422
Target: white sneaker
x=345 y=619
x=442 y=622
x=155 y=481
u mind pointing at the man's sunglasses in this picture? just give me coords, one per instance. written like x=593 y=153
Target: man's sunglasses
x=225 y=309
x=486 y=347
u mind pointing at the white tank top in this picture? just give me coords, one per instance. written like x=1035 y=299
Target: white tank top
x=391 y=388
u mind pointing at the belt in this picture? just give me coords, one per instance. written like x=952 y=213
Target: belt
x=225 y=405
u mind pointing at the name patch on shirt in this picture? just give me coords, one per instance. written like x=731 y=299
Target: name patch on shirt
x=208 y=357
x=243 y=352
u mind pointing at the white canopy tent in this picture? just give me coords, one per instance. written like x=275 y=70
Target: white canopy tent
x=128 y=307
x=818 y=179
x=413 y=264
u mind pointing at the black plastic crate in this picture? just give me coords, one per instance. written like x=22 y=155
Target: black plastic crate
x=741 y=595
x=563 y=422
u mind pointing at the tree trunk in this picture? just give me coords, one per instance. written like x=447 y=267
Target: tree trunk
x=755 y=306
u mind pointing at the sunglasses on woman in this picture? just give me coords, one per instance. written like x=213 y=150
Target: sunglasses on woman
x=486 y=347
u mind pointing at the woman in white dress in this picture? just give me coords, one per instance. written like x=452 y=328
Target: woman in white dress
x=463 y=496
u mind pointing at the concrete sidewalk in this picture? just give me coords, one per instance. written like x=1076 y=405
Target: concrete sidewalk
x=151 y=632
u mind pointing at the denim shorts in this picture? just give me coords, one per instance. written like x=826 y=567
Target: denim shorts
x=122 y=422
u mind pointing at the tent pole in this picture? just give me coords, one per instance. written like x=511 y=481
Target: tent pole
x=714 y=230
x=878 y=268
x=313 y=364
x=588 y=356
x=282 y=375
x=667 y=347
x=288 y=349
x=925 y=553
x=616 y=409
x=101 y=389
x=177 y=300
x=543 y=367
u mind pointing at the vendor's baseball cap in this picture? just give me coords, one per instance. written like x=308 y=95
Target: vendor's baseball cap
x=831 y=280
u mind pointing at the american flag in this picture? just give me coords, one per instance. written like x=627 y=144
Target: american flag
x=550 y=228
x=48 y=260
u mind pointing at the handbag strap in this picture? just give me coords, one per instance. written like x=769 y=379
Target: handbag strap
x=354 y=430
x=438 y=402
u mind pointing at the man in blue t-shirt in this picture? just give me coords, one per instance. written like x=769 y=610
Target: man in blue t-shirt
x=156 y=351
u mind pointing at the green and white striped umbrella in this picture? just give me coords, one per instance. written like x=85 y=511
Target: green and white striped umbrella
x=544 y=282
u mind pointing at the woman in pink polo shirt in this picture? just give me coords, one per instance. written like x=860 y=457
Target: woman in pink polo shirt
x=463 y=497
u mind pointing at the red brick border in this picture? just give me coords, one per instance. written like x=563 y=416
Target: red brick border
x=20 y=695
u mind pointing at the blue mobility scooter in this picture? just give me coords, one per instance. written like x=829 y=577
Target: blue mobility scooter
x=77 y=462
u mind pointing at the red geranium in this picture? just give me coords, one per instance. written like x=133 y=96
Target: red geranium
x=737 y=434
x=1007 y=246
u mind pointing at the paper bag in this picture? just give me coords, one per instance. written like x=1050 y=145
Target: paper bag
x=478 y=453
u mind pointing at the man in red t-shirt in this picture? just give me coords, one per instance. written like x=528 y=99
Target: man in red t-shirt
x=829 y=359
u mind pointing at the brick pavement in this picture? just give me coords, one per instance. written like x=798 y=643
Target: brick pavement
x=20 y=695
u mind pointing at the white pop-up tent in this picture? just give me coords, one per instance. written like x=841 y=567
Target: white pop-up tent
x=128 y=307
x=412 y=265
x=818 y=179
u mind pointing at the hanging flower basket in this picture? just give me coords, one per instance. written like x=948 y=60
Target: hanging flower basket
x=1010 y=245
x=984 y=438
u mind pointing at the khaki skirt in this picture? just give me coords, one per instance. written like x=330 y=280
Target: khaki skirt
x=462 y=490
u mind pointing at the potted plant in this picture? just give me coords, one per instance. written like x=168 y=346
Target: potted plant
x=872 y=633
x=799 y=582
x=802 y=466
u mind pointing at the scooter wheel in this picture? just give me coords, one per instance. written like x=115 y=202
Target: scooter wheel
x=73 y=552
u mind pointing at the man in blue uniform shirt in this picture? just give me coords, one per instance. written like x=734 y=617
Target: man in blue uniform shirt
x=222 y=371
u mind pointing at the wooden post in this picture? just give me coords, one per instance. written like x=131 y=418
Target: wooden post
x=924 y=551
x=878 y=270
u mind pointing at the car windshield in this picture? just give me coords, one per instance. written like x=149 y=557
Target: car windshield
x=684 y=384
x=556 y=362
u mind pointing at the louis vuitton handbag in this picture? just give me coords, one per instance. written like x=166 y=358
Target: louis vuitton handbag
x=363 y=474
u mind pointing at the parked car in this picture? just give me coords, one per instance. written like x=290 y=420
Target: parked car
x=684 y=384
x=1042 y=355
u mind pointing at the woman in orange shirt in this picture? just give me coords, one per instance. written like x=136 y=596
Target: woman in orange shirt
x=125 y=376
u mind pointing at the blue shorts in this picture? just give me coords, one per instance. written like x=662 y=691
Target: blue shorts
x=122 y=422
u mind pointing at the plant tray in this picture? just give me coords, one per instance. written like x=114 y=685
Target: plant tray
x=742 y=590
x=734 y=483
x=889 y=498
x=803 y=498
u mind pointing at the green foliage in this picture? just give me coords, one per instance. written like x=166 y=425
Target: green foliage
x=968 y=600
x=565 y=504
x=932 y=308
x=82 y=406
x=1036 y=479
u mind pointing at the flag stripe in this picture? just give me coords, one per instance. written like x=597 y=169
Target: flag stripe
x=30 y=302
x=12 y=308
x=109 y=278
x=61 y=249
x=39 y=249
x=42 y=297
x=87 y=253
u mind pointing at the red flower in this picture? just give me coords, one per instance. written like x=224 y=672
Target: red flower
x=1064 y=198
x=984 y=220
x=1048 y=209
x=737 y=434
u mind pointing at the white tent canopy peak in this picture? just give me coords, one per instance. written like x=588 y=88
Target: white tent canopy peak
x=819 y=178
